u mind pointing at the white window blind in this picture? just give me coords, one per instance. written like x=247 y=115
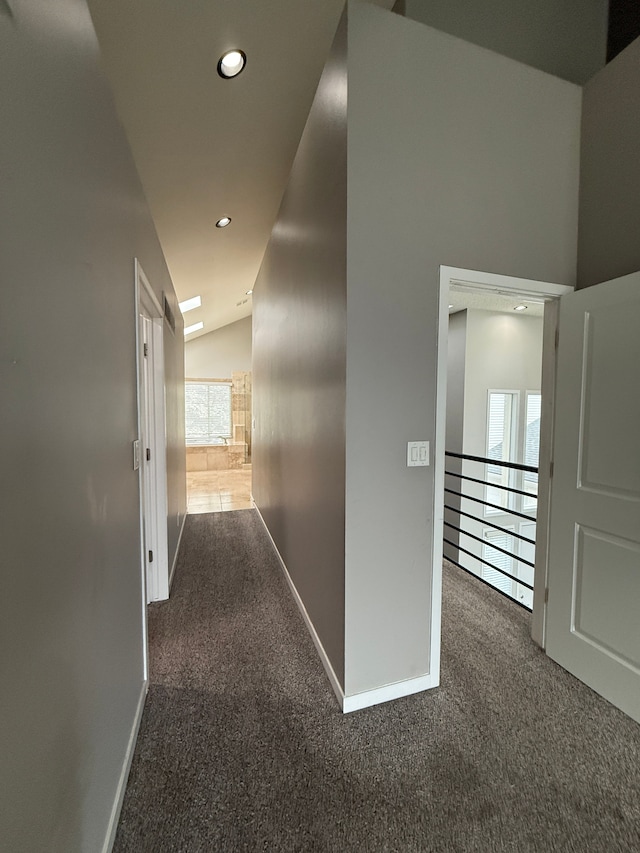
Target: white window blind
x=498 y=559
x=501 y=417
x=207 y=412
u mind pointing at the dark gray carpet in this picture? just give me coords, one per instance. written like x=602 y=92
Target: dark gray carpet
x=243 y=748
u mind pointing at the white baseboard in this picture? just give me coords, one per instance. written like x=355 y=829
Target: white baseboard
x=333 y=678
x=124 y=773
x=390 y=691
x=175 y=556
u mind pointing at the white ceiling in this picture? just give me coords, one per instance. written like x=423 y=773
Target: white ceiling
x=207 y=147
x=487 y=300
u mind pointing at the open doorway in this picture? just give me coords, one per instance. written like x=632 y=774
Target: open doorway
x=493 y=429
x=218 y=418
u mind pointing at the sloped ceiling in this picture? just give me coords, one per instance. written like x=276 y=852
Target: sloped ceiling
x=207 y=147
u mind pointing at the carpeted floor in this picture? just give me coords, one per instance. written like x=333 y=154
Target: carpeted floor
x=243 y=748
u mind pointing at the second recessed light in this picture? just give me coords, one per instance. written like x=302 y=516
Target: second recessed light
x=231 y=63
x=222 y=223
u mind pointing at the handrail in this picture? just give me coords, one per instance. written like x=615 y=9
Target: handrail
x=515 y=466
x=457 y=514
x=493 y=485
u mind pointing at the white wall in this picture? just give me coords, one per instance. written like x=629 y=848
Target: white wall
x=72 y=218
x=456 y=156
x=218 y=354
x=567 y=38
x=503 y=352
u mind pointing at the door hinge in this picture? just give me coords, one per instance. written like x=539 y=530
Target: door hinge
x=550 y=469
x=151 y=556
x=546 y=595
x=146 y=350
x=557 y=339
x=148 y=454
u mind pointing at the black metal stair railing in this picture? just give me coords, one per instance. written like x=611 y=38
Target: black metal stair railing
x=486 y=522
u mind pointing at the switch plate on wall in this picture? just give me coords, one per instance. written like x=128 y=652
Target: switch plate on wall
x=417 y=454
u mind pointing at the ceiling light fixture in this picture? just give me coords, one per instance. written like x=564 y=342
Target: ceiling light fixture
x=450 y=307
x=190 y=304
x=249 y=292
x=222 y=223
x=231 y=63
x=195 y=328
x=520 y=308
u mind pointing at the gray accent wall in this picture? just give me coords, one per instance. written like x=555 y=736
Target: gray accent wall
x=73 y=218
x=567 y=38
x=218 y=354
x=609 y=245
x=299 y=338
x=454 y=155
x=457 y=156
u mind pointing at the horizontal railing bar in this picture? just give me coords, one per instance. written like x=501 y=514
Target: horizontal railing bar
x=493 y=485
x=513 y=465
x=490 y=585
x=486 y=563
x=491 y=524
x=493 y=506
x=490 y=544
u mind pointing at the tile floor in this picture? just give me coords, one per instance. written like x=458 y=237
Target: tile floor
x=218 y=491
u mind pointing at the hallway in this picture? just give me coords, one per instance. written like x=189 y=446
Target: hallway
x=219 y=491
x=242 y=746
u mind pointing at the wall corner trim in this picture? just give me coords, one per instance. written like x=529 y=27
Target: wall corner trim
x=333 y=678
x=112 y=826
x=175 y=556
x=397 y=690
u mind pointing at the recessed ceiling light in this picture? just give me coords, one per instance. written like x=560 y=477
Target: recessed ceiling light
x=190 y=304
x=450 y=307
x=231 y=63
x=222 y=223
x=520 y=308
x=249 y=292
x=195 y=328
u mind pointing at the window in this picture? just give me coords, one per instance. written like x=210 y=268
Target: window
x=207 y=412
x=498 y=559
x=501 y=444
x=531 y=449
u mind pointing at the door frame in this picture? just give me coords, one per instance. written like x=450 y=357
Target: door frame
x=550 y=293
x=153 y=500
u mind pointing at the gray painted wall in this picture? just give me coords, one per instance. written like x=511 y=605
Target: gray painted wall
x=299 y=340
x=567 y=38
x=72 y=218
x=456 y=353
x=610 y=177
x=456 y=156
x=456 y=356
x=217 y=354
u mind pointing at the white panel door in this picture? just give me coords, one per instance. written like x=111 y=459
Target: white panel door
x=593 y=613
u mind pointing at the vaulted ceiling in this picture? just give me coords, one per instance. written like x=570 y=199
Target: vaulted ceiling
x=206 y=147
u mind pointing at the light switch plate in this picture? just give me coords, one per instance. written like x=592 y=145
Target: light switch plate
x=417 y=454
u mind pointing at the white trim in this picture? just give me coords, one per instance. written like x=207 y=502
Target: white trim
x=175 y=556
x=333 y=678
x=156 y=514
x=390 y=691
x=143 y=562
x=112 y=826
x=543 y=514
x=477 y=281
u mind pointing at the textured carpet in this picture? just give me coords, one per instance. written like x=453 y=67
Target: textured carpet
x=243 y=748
